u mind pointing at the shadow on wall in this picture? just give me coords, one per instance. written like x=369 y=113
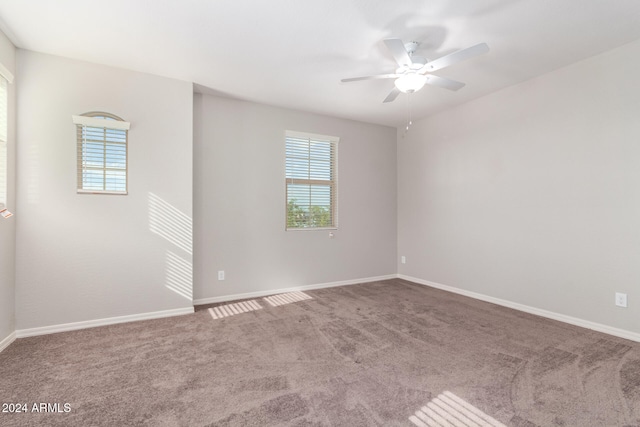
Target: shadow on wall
x=171 y=224
x=179 y=274
x=174 y=226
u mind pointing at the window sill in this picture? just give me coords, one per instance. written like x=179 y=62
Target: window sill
x=311 y=229
x=120 y=193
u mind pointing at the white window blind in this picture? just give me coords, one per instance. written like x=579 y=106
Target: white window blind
x=3 y=141
x=311 y=181
x=102 y=153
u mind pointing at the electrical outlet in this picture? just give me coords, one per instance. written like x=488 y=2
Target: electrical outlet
x=221 y=275
x=621 y=299
x=403 y=259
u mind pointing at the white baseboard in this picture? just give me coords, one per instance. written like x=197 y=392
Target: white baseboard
x=21 y=333
x=7 y=341
x=257 y=294
x=622 y=333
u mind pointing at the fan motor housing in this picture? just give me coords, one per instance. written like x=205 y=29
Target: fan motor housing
x=417 y=62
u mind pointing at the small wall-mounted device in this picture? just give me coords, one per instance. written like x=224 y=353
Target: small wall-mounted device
x=621 y=299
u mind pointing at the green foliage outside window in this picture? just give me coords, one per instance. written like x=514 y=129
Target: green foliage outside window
x=316 y=216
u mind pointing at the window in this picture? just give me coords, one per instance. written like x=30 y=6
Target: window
x=311 y=181
x=5 y=78
x=102 y=153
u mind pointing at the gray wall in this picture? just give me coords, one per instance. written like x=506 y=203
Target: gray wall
x=529 y=195
x=239 y=201
x=532 y=194
x=7 y=226
x=83 y=257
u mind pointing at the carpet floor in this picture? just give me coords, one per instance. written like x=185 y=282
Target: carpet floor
x=389 y=353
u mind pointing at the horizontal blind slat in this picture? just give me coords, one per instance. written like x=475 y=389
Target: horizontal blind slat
x=3 y=140
x=102 y=156
x=311 y=182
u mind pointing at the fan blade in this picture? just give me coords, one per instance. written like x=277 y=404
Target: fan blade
x=454 y=58
x=444 y=82
x=392 y=95
x=379 y=76
x=396 y=47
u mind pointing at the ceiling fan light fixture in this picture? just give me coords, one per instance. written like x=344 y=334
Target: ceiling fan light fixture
x=411 y=82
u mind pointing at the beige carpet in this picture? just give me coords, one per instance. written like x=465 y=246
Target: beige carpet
x=386 y=353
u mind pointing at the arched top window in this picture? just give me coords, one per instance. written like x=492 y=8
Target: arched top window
x=102 y=140
x=102 y=115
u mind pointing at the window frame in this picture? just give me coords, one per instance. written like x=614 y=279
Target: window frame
x=332 y=183
x=105 y=121
x=7 y=79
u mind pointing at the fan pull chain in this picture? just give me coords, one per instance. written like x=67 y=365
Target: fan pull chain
x=409 y=122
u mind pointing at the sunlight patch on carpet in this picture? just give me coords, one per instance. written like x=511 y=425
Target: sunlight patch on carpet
x=447 y=409
x=288 y=298
x=227 y=310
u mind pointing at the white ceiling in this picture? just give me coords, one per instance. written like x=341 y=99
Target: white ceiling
x=293 y=53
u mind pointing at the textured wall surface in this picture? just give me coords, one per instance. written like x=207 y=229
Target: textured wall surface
x=84 y=257
x=532 y=194
x=239 y=201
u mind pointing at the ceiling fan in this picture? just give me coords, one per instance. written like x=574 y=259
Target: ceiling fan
x=414 y=71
